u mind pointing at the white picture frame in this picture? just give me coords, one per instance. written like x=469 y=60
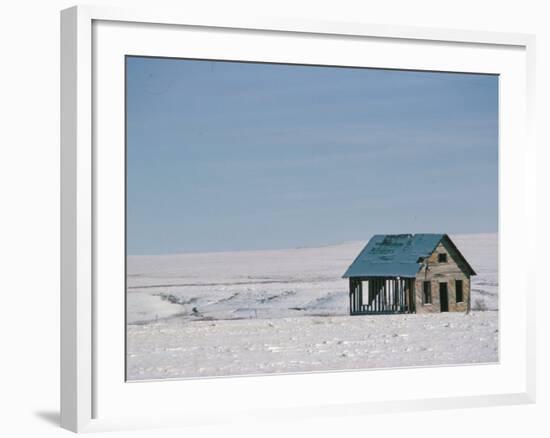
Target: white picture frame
x=93 y=395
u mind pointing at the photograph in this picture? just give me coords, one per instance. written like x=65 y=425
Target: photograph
x=289 y=218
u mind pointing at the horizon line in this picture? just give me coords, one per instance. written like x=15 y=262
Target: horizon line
x=300 y=247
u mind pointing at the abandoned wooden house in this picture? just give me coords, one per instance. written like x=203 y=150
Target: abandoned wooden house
x=406 y=273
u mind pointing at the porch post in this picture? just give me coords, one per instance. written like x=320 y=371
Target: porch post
x=351 y=296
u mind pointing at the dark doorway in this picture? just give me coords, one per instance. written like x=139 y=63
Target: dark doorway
x=443 y=297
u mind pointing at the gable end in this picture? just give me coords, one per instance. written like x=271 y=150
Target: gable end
x=457 y=256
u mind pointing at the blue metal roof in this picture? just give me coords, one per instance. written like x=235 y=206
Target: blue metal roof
x=393 y=255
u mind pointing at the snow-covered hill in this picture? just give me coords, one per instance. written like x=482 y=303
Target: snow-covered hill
x=257 y=312
x=271 y=284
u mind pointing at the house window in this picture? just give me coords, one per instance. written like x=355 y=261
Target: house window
x=427 y=289
x=442 y=258
x=459 y=294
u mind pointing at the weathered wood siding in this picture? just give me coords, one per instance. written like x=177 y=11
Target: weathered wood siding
x=445 y=272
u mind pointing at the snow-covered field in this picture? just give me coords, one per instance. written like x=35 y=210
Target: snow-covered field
x=249 y=312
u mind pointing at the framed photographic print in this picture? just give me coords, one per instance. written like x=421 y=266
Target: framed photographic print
x=257 y=208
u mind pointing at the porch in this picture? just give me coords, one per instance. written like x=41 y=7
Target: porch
x=381 y=295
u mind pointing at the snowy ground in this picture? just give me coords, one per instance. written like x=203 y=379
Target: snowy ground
x=286 y=311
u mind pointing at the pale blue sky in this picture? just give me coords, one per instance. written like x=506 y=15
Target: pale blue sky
x=234 y=156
